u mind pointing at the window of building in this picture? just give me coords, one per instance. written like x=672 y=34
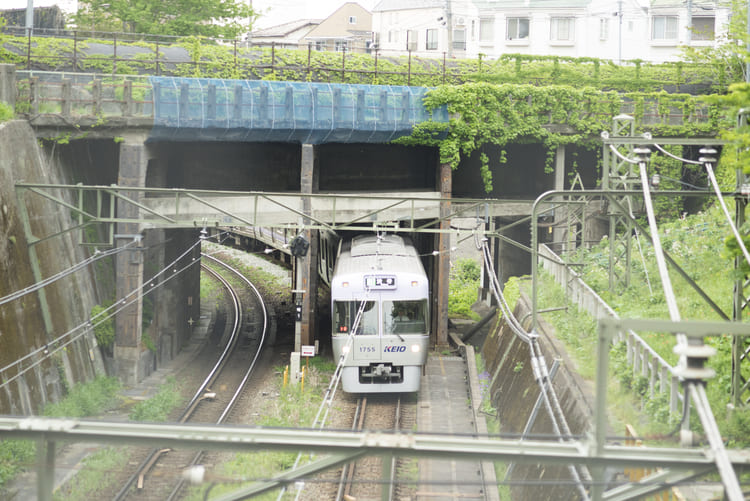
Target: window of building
x=352 y=19
x=703 y=28
x=473 y=30
x=603 y=28
x=411 y=40
x=321 y=45
x=432 y=39
x=486 y=29
x=341 y=45
x=518 y=28
x=393 y=36
x=459 y=39
x=664 y=28
x=562 y=29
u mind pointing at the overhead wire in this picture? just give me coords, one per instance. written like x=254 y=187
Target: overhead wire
x=696 y=387
x=538 y=363
x=80 y=330
x=62 y=274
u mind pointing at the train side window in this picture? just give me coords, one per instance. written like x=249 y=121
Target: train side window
x=345 y=312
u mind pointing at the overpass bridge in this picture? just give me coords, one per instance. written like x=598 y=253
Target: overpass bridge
x=307 y=156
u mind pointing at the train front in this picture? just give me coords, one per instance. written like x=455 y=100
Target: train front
x=381 y=322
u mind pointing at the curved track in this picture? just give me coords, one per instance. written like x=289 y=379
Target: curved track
x=159 y=474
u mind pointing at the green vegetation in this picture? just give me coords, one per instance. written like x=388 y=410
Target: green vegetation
x=98 y=473
x=15 y=456
x=158 y=407
x=86 y=399
x=83 y=400
x=104 y=329
x=463 y=288
x=214 y=18
x=697 y=243
x=486 y=114
x=289 y=407
x=217 y=58
x=6 y=112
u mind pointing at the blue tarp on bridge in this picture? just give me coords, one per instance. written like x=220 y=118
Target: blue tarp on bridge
x=187 y=109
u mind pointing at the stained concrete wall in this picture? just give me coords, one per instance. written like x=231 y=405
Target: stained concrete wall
x=514 y=392
x=22 y=328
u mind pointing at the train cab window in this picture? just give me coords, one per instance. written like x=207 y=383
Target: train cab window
x=345 y=312
x=405 y=317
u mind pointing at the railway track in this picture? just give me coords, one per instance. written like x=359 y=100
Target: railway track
x=373 y=477
x=159 y=472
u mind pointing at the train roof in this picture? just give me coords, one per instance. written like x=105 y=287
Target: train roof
x=368 y=253
x=384 y=245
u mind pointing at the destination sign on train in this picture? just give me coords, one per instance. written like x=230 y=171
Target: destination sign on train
x=380 y=282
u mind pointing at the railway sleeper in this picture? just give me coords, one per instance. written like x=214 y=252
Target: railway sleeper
x=381 y=373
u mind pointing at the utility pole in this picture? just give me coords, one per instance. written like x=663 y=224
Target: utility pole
x=29 y=17
x=449 y=22
x=619 y=32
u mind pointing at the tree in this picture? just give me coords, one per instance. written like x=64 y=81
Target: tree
x=209 y=18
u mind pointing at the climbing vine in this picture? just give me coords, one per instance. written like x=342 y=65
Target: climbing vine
x=486 y=114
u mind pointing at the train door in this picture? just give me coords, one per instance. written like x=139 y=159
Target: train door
x=367 y=340
x=366 y=343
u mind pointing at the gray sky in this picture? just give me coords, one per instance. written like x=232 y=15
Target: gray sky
x=274 y=11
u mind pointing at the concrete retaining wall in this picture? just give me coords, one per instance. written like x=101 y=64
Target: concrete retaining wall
x=46 y=366
x=514 y=393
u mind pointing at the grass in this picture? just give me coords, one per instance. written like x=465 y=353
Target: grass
x=157 y=408
x=98 y=474
x=290 y=408
x=696 y=242
x=86 y=399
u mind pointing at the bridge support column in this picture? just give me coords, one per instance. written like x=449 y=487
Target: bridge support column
x=442 y=263
x=306 y=276
x=560 y=231
x=8 y=84
x=130 y=359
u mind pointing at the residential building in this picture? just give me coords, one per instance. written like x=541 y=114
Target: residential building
x=288 y=35
x=348 y=29
x=650 y=30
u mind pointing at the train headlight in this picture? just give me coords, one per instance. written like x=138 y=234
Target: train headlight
x=414 y=283
x=345 y=349
x=415 y=348
x=344 y=284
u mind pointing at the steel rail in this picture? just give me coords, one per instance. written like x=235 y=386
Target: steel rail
x=250 y=369
x=155 y=454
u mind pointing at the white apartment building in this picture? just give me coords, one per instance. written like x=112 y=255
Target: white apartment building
x=619 y=30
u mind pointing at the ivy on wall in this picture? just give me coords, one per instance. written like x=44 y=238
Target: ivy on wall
x=555 y=115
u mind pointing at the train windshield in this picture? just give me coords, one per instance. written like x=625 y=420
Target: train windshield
x=344 y=313
x=405 y=317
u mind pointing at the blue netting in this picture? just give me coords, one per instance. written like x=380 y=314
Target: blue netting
x=302 y=112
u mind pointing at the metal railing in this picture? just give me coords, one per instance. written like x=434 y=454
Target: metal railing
x=645 y=362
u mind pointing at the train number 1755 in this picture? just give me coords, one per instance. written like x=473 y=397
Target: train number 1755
x=366 y=349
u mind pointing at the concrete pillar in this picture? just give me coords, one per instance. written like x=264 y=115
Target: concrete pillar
x=442 y=262
x=8 y=84
x=306 y=276
x=560 y=230
x=130 y=360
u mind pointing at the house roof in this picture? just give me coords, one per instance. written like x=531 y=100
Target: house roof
x=285 y=29
x=385 y=5
x=499 y=5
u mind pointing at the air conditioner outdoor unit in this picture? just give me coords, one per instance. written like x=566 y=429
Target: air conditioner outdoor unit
x=459 y=21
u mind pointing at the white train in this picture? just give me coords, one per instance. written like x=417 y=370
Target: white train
x=381 y=280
